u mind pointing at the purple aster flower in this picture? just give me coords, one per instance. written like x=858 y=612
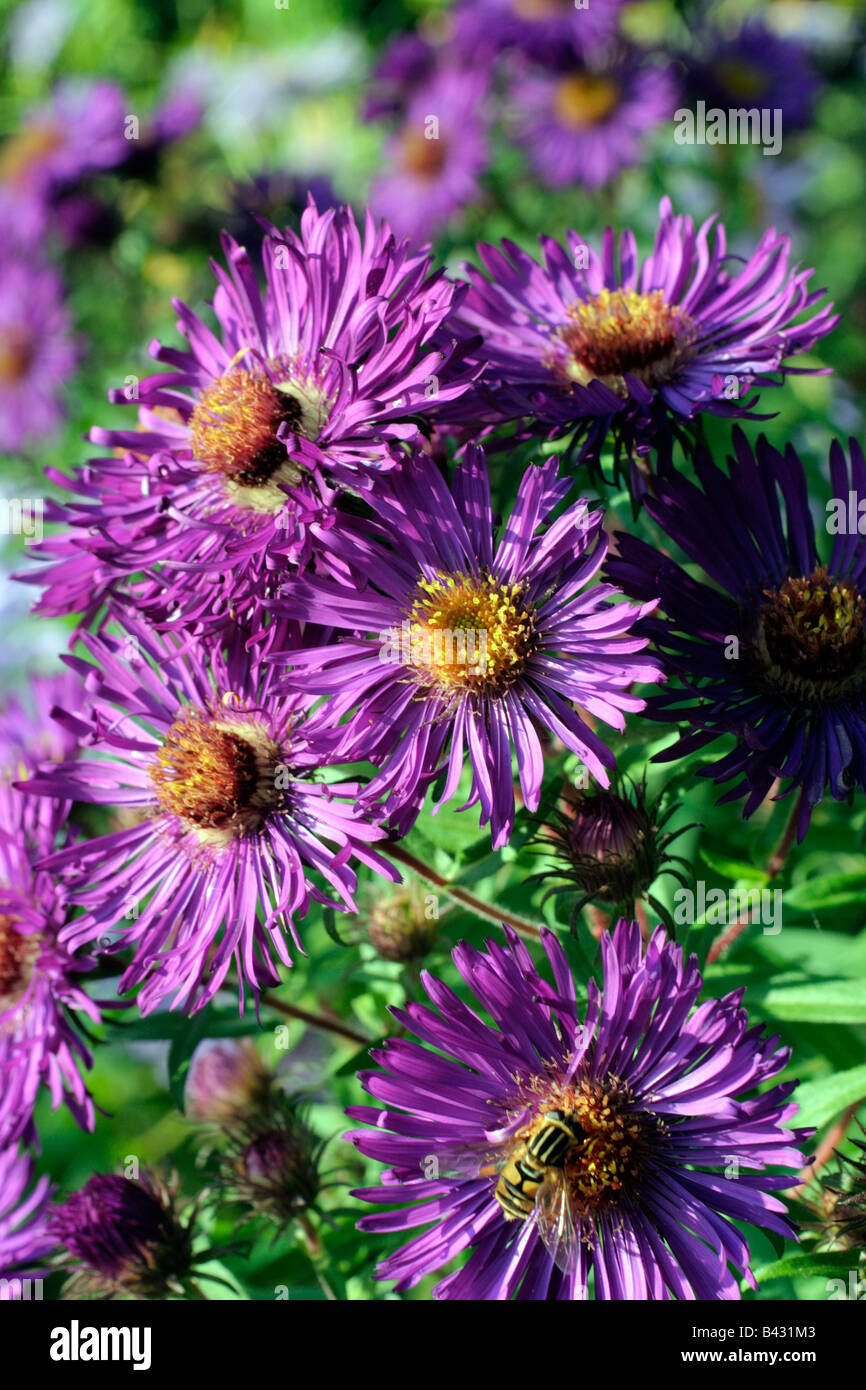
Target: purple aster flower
x=588 y=344
x=563 y=1148
x=755 y=68
x=231 y=823
x=25 y=1240
x=462 y=643
x=78 y=132
x=37 y=351
x=272 y=197
x=582 y=126
x=408 y=60
x=435 y=159
x=126 y=1238
x=772 y=648
x=42 y=1002
x=312 y=383
x=28 y=733
x=539 y=28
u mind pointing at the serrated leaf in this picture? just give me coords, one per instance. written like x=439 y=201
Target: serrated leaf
x=822 y=1100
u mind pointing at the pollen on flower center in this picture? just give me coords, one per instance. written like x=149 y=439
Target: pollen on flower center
x=17 y=351
x=620 y=331
x=585 y=99
x=811 y=635
x=218 y=776
x=540 y=9
x=18 y=953
x=234 y=427
x=470 y=634
x=613 y=1139
x=21 y=152
x=422 y=156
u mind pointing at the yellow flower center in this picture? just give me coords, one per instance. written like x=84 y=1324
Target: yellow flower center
x=423 y=157
x=613 y=1139
x=811 y=636
x=219 y=776
x=233 y=432
x=21 y=152
x=470 y=634
x=17 y=350
x=585 y=99
x=619 y=331
x=537 y=10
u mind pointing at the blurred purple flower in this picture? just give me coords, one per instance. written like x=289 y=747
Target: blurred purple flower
x=37 y=351
x=434 y=160
x=582 y=126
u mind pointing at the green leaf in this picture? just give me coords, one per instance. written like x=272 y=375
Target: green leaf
x=807 y=1265
x=735 y=869
x=822 y=1100
x=183 y=1045
x=816 y=952
x=826 y=891
x=330 y=925
x=824 y=1001
x=222 y=1023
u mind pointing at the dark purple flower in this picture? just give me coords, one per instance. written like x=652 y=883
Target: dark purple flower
x=462 y=644
x=272 y=1167
x=24 y=1236
x=588 y=344
x=311 y=384
x=666 y=1144
x=582 y=125
x=539 y=28
x=754 y=68
x=123 y=1237
x=433 y=162
x=277 y=198
x=772 y=649
x=408 y=61
x=220 y=769
x=37 y=351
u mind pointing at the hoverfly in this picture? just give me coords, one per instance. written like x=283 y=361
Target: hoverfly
x=531 y=1178
x=533 y=1184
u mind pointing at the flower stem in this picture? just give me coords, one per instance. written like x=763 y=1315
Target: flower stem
x=834 y=1136
x=488 y=912
x=775 y=864
x=330 y=1025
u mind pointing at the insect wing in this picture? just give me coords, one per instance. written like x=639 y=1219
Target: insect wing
x=555 y=1219
x=467 y=1161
